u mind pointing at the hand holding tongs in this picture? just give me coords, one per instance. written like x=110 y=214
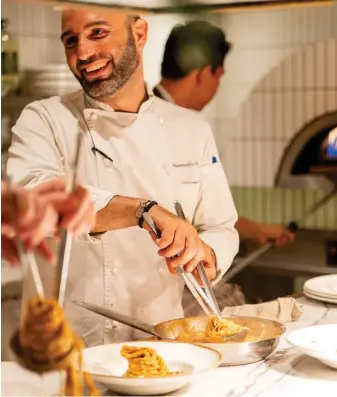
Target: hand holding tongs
x=206 y=300
x=201 y=270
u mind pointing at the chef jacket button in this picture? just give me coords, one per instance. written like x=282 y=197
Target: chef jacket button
x=93 y=115
x=161 y=121
x=114 y=270
x=109 y=326
x=160 y=270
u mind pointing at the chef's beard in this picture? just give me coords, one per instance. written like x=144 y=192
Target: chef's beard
x=121 y=74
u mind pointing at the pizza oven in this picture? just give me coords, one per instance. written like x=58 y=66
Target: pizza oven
x=310 y=159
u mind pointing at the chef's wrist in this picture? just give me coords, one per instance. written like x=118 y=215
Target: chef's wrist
x=156 y=213
x=144 y=206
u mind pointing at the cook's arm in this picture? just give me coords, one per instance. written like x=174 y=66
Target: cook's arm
x=216 y=215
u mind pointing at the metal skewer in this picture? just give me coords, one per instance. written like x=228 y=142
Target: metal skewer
x=293 y=226
x=246 y=261
x=35 y=273
x=66 y=236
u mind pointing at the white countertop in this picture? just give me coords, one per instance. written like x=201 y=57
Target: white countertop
x=286 y=373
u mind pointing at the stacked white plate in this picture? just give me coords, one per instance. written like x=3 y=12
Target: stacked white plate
x=323 y=288
x=49 y=80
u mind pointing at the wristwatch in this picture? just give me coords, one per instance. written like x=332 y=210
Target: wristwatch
x=144 y=206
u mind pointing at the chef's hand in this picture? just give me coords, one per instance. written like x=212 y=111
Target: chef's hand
x=9 y=251
x=262 y=233
x=37 y=214
x=76 y=210
x=278 y=234
x=178 y=236
x=30 y=222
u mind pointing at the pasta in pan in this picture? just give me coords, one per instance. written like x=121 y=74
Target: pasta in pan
x=47 y=340
x=145 y=362
x=217 y=329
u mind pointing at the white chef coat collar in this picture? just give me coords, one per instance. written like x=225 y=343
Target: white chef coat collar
x=164 y=93
x=94 y=104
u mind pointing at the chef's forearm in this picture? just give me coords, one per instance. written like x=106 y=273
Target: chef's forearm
x=246 y=228
x=119 y=213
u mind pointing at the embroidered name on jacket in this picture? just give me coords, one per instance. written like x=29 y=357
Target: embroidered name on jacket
x=194 y=164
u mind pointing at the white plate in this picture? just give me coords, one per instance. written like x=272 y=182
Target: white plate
x=323 y=286
x=320 y=298
x=107 y=366
x=319 y=341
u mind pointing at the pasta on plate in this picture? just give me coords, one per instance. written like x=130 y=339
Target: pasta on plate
x=145 y=362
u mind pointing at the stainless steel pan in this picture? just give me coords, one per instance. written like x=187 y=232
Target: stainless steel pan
x=262 y=339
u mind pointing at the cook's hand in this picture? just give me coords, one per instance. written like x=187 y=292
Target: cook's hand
x=262 y=234
x=76 y=209
x=37 y=214
x=178 y=236
x=9 y=250
x=278 y=234
x=32 y=218
x=30 y=222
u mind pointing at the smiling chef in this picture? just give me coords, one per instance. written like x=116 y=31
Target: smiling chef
x=139 y=154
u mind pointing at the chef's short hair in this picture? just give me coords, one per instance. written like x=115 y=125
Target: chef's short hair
x=193 y=46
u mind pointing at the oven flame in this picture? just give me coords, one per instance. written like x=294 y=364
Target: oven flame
x=331 y=149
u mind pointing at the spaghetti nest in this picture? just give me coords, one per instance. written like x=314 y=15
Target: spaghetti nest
x=48 y=344
x=217 y=329
x=145 y=362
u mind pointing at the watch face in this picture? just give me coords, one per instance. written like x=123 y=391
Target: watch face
x=140 y=209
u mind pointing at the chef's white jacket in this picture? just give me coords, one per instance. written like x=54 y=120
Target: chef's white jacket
x=162 y=153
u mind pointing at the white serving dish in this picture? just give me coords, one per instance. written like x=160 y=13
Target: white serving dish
x=107 y=366
x=319 y=341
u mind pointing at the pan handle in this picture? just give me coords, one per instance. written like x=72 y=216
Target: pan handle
x=121 y=318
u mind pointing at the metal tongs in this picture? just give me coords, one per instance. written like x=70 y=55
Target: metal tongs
x=28 y=260
x=66 y=236
x=206 y=299
x=26 y=257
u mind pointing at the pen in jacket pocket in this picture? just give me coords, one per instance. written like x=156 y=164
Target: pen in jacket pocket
x=94 y=149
